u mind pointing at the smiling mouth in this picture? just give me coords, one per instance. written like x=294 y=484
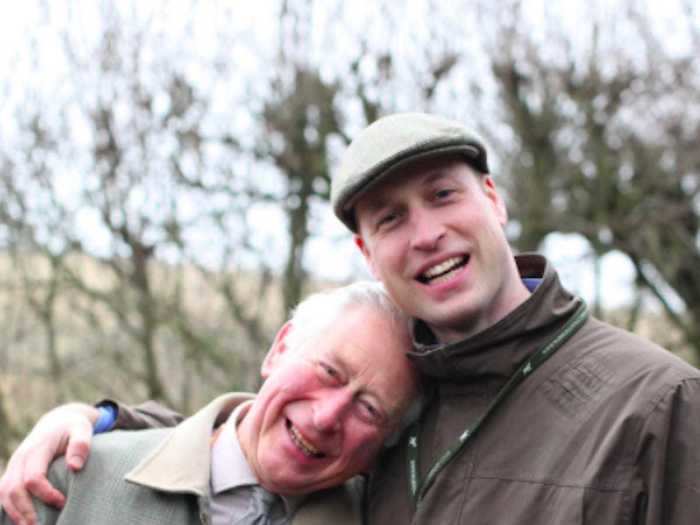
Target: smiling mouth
x=307 y=448
x=443 y=271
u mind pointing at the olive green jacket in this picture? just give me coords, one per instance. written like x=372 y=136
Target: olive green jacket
x=604 y=432
x=161 y=476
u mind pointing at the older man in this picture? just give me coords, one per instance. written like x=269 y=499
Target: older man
x=537 y=413
x=336 y=386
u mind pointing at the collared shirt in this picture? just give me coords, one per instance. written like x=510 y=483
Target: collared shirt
x=232 y=479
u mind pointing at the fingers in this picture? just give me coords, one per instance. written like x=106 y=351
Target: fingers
x=35 y=481
x=66 y=429
x=14 y=499
x=36 y=464
x=40 y=487
x=79 y=445
x=19 y=508
x=28 y=477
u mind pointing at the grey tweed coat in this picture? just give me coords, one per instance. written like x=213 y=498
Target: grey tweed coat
x=161 y=477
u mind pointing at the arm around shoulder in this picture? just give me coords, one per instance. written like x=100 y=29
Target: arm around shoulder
x=146 y=415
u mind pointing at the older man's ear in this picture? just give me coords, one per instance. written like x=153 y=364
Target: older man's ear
x=278 y=348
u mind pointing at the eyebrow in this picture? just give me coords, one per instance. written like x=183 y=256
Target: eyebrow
x=436 y=174
x=374 y=203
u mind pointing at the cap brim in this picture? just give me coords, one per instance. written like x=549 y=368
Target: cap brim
x=471 y=152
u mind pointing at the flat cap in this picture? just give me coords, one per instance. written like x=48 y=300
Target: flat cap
x=393 y=142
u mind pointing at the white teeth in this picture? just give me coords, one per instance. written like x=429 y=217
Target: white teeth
x=442 y=267
x=304 y=445
x=445 y=277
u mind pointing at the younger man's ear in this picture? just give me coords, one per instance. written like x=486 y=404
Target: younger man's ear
x=360 y=243
x=489 y=187
x=278 y=348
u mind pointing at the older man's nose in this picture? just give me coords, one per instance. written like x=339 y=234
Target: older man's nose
x=330 y=410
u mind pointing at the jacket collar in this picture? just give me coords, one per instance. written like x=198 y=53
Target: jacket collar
x=514 y=337
x=181 y=462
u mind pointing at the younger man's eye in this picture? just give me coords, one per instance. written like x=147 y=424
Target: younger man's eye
x=443 y=193
x=387 y=219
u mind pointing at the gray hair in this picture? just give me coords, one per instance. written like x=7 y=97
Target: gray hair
x=320 y=310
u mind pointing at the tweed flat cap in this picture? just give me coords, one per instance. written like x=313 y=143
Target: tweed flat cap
x=391 y=143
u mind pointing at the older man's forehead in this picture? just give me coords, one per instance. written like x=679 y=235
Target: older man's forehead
x=360 y=332
x=365 y=314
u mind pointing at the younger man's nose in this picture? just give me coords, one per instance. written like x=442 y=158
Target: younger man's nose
x=427 y=230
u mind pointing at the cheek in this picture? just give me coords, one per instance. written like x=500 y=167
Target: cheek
x=388 y=259
x=493 y=236
x=494 y=218
x=276 y=393
x=363 y=445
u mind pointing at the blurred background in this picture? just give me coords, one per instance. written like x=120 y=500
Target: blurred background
x=165 y=167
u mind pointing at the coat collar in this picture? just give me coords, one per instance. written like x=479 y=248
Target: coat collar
x=181 y=462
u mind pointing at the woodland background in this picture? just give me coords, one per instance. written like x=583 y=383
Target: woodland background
x=165 y=166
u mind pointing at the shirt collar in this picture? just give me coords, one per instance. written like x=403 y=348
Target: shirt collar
x=230 y=468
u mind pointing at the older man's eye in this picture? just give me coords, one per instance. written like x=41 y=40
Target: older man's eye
x=369 y=412
x=328 y=372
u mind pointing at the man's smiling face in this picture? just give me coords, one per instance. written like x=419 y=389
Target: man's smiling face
x=325 y=409
x=433 y=234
